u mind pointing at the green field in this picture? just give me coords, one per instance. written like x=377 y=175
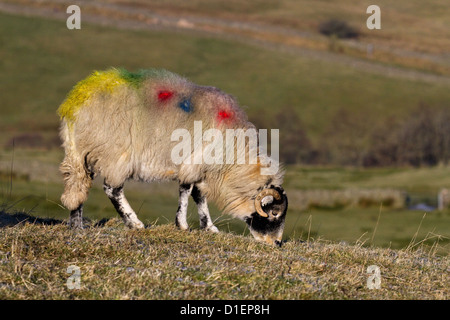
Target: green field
x=157 y=203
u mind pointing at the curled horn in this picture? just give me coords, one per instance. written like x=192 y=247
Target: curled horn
x=264 y=193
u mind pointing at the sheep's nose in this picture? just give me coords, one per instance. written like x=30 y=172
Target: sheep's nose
x=278 y=243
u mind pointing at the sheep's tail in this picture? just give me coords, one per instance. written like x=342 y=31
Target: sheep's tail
x=77 y=179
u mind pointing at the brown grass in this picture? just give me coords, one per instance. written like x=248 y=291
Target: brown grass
x=164 y=263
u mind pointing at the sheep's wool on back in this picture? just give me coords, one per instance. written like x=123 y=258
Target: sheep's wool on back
x=119 y=124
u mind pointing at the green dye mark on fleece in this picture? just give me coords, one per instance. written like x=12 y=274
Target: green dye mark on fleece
x=135 y=79
x=97 y=82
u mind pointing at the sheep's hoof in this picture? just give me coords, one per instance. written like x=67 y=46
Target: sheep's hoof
x=212 y=229
x=182 y=226
x=135 y=224
x=76 y=223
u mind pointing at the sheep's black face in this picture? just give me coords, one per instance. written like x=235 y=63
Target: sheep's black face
x=267 y=223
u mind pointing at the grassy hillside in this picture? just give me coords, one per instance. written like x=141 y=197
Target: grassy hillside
x=413 y=33
x=164 y=263
x=41 y=60
x=414 y=180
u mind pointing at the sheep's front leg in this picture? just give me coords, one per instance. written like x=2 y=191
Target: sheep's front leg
x=183 y=200
x=76 y=218
x=203 y=211
x=122 y=206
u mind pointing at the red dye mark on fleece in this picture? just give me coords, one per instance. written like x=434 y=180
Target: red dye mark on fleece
x=164 y=95
x=223 y=115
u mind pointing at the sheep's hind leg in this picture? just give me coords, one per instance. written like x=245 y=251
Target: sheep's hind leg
x=183 y=200
x=203 y=211
x=122 y=206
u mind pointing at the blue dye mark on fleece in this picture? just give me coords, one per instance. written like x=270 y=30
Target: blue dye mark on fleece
x=185 y=105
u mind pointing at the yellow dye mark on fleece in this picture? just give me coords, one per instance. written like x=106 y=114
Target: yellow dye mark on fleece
x=97 y=82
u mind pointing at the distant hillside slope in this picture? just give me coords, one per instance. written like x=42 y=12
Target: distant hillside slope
x=42 y=60
x=412 y=34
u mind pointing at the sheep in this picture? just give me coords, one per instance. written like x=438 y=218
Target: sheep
x=118 y=124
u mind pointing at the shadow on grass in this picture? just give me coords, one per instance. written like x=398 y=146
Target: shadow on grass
x=10 y=220
x=13 y=219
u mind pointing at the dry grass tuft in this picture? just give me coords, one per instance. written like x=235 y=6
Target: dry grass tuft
x=163 y=262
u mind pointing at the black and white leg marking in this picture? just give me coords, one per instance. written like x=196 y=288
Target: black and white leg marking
x=122 y=206
x=76 y=218
x=183 y=200
x=203 y=211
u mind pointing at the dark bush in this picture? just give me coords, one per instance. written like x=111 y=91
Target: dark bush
x=338 y=28
x=419 y=138
x=422 y=138
x=295 y=146
x=345 y=138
